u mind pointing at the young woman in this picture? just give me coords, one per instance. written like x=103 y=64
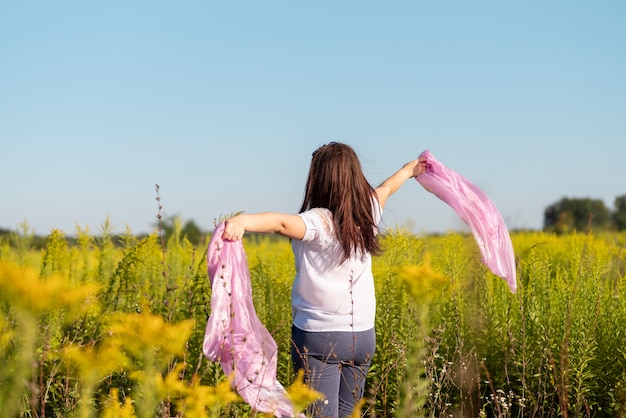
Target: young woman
x=333 y=301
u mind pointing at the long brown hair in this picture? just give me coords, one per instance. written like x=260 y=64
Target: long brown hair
x=336 y=182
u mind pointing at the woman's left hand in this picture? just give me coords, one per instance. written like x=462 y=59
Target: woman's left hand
x=420 y=167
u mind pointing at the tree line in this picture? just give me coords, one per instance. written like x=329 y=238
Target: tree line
x=584 y=214
x=562 y=217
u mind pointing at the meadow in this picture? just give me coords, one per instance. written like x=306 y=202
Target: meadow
x=104 y=326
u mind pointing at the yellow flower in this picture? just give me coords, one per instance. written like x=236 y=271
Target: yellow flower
x=300 y=394
x=27 y=292
x=114 y=409
x=358 y=408
x=194 y=398
x=146 y=331
x=6 y=335
x=423 y=281
x=95 y=363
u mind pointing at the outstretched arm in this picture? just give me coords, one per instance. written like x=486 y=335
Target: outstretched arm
x=291 y=226
x=393 y=183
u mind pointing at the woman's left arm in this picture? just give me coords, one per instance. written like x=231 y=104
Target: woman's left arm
x=393 y=183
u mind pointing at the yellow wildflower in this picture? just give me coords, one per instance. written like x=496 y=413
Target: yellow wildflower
x=300 y=394
x=146 y=331
x=28 y=293
x=194 y=398
x=423 y=281
x=114 y=409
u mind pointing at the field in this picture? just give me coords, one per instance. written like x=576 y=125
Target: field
x=113 y=327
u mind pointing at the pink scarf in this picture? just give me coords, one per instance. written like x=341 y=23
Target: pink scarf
x=477 y=211
x=234 y=334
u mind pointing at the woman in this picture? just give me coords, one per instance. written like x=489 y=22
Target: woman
x=333 y=300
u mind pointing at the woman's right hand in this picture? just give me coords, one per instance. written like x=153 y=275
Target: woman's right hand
x=233 y=229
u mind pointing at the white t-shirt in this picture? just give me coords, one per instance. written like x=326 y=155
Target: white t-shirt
x=328 y=295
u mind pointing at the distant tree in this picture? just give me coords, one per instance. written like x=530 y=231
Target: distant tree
x=193 y=232
x=167 y=225
x=619 y=215
x=190 y=229
x=569 y=215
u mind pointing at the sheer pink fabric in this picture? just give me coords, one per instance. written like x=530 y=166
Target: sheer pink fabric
x=477 y=211
x=235 y=336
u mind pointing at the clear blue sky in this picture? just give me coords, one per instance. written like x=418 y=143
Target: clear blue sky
x=222 y=103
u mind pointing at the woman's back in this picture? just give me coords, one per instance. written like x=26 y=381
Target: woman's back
x=331 y=293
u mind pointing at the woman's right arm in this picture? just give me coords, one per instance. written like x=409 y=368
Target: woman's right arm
x=291 y=226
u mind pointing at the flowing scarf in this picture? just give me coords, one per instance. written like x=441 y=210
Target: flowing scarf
x=477 y=211
x=234 y=336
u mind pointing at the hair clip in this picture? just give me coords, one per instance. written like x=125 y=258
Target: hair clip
x=330 y=144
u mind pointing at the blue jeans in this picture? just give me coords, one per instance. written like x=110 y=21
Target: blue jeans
x=336 y=365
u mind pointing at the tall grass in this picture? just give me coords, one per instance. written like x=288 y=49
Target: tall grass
x=553 y=349
x=99 y=326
